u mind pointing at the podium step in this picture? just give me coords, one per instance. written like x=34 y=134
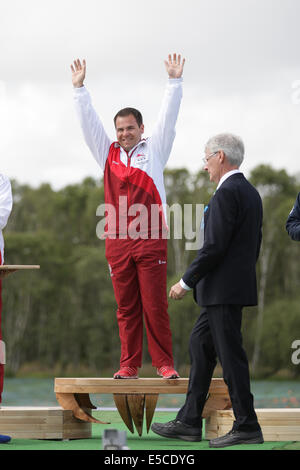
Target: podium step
x=277 y=424
x=25 y=422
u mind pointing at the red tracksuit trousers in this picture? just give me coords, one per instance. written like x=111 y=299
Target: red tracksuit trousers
x=139 y=275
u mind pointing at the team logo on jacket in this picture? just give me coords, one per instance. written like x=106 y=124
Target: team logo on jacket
x=141 y=158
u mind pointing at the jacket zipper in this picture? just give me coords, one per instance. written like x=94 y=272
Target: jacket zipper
x=128 y=170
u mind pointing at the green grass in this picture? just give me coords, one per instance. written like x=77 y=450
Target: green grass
x=149 y=441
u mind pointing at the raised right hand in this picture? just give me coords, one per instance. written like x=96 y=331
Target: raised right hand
x=174 y=66
x=78 y=73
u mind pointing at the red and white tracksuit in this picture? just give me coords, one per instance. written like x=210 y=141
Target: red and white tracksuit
x=5 y=210
x=138 y=264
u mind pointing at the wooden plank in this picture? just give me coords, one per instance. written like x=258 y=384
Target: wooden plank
x=29 y=410
x=16 y=420
x=130 y=396
x=6 y=270
x=107 y=385
x=68 y=402
x=77 y=434
x=150 y=405
x=35 y=435
x=18 y=267
x=120 y=400
x=145 y=385
x=215 y=402
x=83 y=400
x=136 y=408
x=32 y=427
x=282 y=429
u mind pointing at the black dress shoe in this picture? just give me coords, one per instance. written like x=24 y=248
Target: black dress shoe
x=234 y=437
x=177 y=430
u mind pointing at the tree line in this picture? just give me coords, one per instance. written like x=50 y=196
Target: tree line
x=62 y=318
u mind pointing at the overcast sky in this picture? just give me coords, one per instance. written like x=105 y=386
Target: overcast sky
x=241 y=73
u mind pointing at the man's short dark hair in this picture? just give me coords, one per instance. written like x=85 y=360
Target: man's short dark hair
x=126 y=112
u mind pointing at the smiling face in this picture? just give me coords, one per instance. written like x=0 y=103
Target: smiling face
x=129 y=133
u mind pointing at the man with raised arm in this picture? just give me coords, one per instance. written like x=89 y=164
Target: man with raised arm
x=136 y=245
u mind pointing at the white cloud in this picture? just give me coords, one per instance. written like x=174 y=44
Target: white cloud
x=242 y=59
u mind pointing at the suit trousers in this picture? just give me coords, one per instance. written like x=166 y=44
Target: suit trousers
x=217 y=333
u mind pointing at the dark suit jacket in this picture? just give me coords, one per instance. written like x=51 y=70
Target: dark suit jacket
x=224 y=270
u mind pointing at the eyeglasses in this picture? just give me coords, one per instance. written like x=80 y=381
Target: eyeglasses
x=205 y=159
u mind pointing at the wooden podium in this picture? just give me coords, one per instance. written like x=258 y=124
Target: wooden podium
x=131 y=396
x=42 y=422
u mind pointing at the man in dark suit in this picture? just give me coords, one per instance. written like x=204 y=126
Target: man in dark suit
x=223 y=278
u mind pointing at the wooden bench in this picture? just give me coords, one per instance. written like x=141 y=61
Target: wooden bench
x=131 y=396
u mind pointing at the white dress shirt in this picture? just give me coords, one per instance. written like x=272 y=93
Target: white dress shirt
x=6 y=203
x=224 y=177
